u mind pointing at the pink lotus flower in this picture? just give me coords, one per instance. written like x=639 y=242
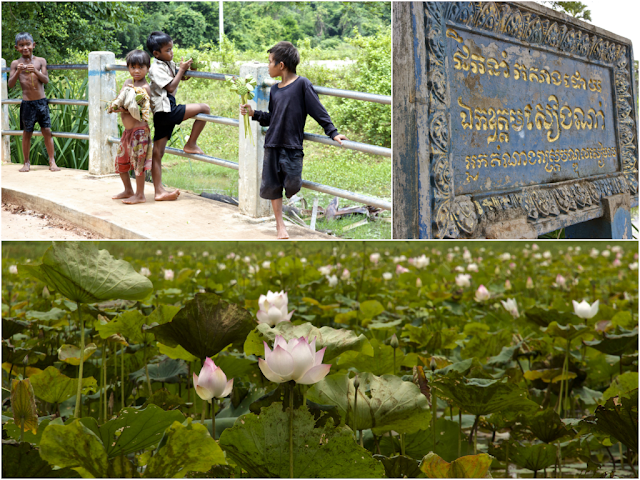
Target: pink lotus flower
x=560 y=281
x=345 y=274
x=168 y=275
x=400 y=269
x=294 y=360
x=529 y=283
x=212 y=382
x=482 y=294
x=273 y=308
x=374 y=257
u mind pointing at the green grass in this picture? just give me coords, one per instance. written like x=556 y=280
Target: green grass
x=346 y=169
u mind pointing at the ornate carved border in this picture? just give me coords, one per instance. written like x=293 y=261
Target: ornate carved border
x=460 y=216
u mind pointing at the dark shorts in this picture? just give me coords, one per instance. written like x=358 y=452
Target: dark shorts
x=32 y=111
x=281 y=168
x=164 y=122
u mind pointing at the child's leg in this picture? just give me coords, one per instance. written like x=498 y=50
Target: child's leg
x=192 y=110
x=128 y=191
x=48 y=143
x=280 y=226
x=26 y=148
x=156 y=171
x=139 y=196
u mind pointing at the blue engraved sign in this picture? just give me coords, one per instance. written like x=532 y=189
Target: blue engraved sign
x=511 y=120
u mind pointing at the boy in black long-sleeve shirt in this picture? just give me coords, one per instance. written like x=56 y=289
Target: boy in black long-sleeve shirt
x=289 y=103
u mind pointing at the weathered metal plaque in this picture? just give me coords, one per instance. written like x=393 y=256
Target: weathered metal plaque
x=530 y=116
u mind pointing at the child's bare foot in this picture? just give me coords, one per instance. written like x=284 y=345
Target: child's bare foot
x=166 y=196
x=135 y=199
x=282 y=232
x=189 y=148
x=26 y=168
x=125 y=194
x=53 y=167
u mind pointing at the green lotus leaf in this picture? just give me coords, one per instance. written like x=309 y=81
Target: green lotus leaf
x=185 y=448
x=71 y=354
x=177 y=352
x=384 y=403
x=23 y=461
x=533 y=457
x=481 y=396
x=549 y=375
x=260 y=445
x=505 y=357
x=11 y=326
x=463 y=367
x=167 y=371
x=619 y=418
x=432 y=339
x=129 y=323
x=54 y=387
x=615 y=344
x=13 y=430
x=236 y=365
x=52 y=315
x=469 y=466
x=370 y=309
x=547 y=426
x=337 y=341
x=543 y=316
x=588 y=396
x=382 y=361
x=74 y=446
x=205 y=326
x=164 y=399
x=23 y=405
x=622 y=386
x=84 y=274
x=400 y=466
x=568 y=332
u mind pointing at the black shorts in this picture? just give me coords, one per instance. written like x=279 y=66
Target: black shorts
x=32 y=111
x=164 y=122
x=281 y=168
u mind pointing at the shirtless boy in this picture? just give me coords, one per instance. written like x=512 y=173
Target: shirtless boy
x=134 y=151
x=31 y=71
x=166 y=114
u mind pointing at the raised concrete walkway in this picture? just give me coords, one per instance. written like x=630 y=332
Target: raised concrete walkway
x=85 y=201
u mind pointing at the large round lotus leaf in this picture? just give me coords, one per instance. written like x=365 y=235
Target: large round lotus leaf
x=130 y=323
x=382 y=361
x=619 y=418
x=260 y=445
x=186 y=448
x=52 y=315
x=400 y=466
x=23 y=461
x=54 y=387
x=481 y=396
x=82 y=273
x=568 y=332
x=622 y=386
x=74 y=446
x=205 y=326
x=546 y=425
x=533 y=457
x=615 y=344
x=469 y=466
x=71 y=354
x=336 y=340
x=23 y=404
x=167 y=371
x=176 y=352
x=11 y=326
x=543 y=316
x=384 y=403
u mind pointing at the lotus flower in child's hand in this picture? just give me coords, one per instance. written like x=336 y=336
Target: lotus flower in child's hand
x=212 y=382
x=295 y=360
x=273 y=308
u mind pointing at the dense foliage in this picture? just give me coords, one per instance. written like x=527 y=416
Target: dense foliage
x=465 y=360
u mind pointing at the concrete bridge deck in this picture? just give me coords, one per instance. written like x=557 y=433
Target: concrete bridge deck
x=85 y=200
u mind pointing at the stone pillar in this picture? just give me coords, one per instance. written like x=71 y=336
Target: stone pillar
x=102 y=86
x=615 y=221
x=6 y=144
x=250 y=156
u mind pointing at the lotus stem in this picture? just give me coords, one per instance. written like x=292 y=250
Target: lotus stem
x=394 y=361
x=204 y=411
x=506 y=461
x=213 y=418
x=146 y=369
x=459 y=433
x=122 y=373
x=434 y=411
x=76 y=411
x=103 y=389
x=106 y=398
x=402 y=450
x=621 y=456
x=291 y=387
x=559 y=459
x=356 y=384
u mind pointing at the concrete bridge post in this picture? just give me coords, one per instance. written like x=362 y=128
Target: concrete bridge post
x=6 y=144
x=250 y=156
x=102 y=86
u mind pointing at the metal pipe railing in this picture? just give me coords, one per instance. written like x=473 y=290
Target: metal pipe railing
x=51 y=101
x=336 y=92
x=232 y=122
x=76 y=136
x=188 y=73
x=349 y=145
x=77 y=66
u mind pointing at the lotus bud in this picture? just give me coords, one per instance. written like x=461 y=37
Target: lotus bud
x=584 y=310
x=529 y=283
x=433 y=365
x=507 y=285
x=356 y=382
x=418 y=283
x=482 y=294
x=45 y=293
x=212 y=382
x=394 y=341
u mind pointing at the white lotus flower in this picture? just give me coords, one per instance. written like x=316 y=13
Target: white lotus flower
x=584 y=310
x=212 y=382
x=143 y=271
x=374 y=257
x=168 y=275
x=511 y=306
x=387 y=276
x=273 y=308
x=266 y=264
x=466 y=255
x=472 y=267
x=482 y=294
x=333 y=280
x=295 y=360
x=326 y=270
x=505 y=257
x=463 y=280
x=13 y=269
x=345 y=274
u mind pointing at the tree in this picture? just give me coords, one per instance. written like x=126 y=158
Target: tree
x=62 y=29
x=186 y=26
x=576 y=9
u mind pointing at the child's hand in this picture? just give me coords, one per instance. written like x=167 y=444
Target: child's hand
x=184 y=66
x=246 y=109
x=30 y=68
x=21 y=66
x=339 y=138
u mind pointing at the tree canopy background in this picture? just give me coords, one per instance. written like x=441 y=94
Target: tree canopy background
x=67 y=31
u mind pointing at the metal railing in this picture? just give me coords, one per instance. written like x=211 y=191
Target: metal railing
x=347 y=144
